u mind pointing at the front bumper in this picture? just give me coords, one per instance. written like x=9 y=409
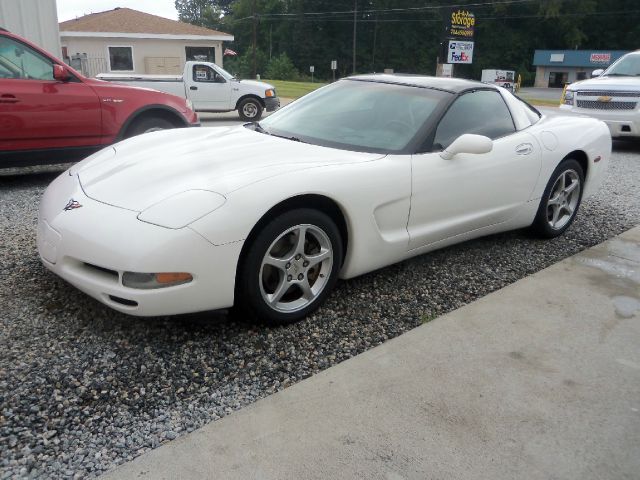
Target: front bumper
x=621 y=123
x=272 y=103
x=93 y=245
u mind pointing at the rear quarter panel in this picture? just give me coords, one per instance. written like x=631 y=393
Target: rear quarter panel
x=560 y=136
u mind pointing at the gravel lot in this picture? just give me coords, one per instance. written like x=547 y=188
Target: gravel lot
x=83 y=388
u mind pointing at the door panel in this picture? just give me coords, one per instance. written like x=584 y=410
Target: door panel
x=207 y=89
x=48 y=114
x=37 y=111
x=451 y=197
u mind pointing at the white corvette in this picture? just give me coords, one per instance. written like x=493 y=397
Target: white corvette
x=360 y=174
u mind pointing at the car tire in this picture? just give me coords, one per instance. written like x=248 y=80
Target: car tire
x=560 y=201
x=148 y=124
x=250 y=110
x=281 y=278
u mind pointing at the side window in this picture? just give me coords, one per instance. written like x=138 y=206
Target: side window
x=20 y=61
x=482 y=112
x=204 y=73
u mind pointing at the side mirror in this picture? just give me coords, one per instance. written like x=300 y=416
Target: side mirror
x=597 y=73
x=60 y=73
x=468 y=143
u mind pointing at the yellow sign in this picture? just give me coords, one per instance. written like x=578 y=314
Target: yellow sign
x=462 y=24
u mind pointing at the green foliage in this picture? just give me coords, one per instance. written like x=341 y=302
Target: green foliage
x=242 y=65
x=506 y=34
x=281 y=68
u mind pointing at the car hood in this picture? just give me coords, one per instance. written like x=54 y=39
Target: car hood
x=144 y=170
x=610 y=83
x=257 y=85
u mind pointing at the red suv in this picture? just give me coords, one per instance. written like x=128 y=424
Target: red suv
x=50 y=113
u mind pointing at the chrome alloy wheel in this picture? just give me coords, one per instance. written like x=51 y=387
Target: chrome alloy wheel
x=249 y=110
x=563 y=199
x=296 y=268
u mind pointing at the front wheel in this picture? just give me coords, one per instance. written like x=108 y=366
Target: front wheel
x=148 y=124
x=250 y=110
x=289 y=268
x=561 y=199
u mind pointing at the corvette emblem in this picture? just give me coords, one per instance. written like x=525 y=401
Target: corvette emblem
x=72 y=204
x=604 y=99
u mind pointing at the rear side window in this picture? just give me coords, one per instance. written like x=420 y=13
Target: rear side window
x=17 y=60
x=482 y=112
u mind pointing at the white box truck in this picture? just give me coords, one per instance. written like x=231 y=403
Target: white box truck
x=502 y=78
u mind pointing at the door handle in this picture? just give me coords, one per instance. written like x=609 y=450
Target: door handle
x=8 y=98
x=524 y=149
x=193 y=88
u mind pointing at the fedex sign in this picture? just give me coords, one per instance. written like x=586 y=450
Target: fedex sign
x=460 y=52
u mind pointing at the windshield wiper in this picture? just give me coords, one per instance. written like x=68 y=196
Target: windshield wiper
x=293 y=139
x=257 y=127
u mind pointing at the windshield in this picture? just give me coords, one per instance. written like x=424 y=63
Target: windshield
x=224 y=73
x=629 y=65
x=358 y=115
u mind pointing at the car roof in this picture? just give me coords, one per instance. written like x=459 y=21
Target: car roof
x=452 y=85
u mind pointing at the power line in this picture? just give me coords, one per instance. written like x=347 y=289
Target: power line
x=388 y=10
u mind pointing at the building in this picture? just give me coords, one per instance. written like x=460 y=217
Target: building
x=128 y=41
x=35 y=20
x=555 y=68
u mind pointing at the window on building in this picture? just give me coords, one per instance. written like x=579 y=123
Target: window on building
x=558 y=79
x=121 y=59
x=200 y=54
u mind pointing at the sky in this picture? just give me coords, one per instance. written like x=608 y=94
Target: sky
x=70 y=9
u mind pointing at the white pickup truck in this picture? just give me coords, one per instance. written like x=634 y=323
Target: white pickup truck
x=210 y=89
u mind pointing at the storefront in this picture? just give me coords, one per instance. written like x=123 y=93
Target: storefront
x=555 y=68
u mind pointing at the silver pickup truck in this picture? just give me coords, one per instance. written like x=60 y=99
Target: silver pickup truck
x=210 y=89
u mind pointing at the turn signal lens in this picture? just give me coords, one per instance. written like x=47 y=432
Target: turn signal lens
x=149 y=281
x=173 y=277
x=270 y=93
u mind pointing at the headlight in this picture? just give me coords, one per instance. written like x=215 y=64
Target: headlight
x=189 y=104
x=182 y=209
x=568 y=97
x=270 y=93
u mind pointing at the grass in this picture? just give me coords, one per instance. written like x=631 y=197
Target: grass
x=543 y=102
x=426 y=318
x=294 y=89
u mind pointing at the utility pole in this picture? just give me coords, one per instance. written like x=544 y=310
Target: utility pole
x=255 y=27
x=355 y=26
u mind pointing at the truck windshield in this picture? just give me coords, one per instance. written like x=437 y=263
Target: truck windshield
x=224 y=73
x=358 y=115
x=628 y=66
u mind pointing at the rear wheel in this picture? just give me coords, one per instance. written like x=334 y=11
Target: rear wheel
x=560 y=201
x=289 y=268
x=250 y=110
x=148 y=124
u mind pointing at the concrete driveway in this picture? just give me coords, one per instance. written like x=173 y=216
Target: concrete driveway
x=539 y=380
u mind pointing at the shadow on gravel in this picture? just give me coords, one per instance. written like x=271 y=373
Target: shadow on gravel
x=629 y=145
x=27 y=179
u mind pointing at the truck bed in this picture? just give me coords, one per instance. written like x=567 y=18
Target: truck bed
x=172 y=84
